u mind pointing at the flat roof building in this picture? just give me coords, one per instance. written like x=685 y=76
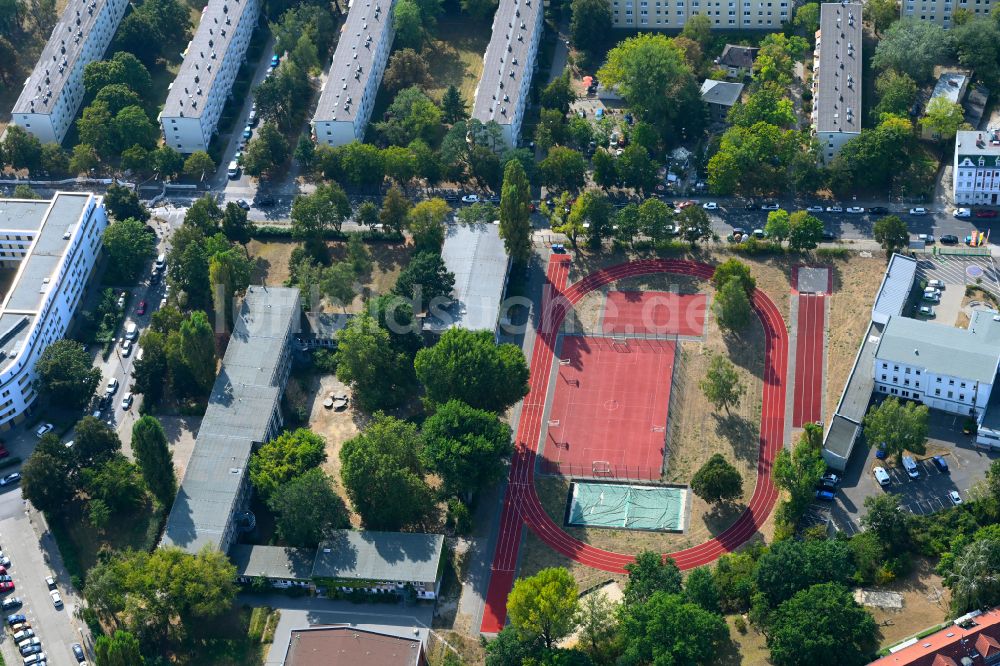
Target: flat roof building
x=346 y=103
x=976 y=167
x=244 y=411
x=836 y=86
x=971 y=640
x=508 y=64
x=53 y=245
x=895 y=288
x=53 y=91
x=212 y=60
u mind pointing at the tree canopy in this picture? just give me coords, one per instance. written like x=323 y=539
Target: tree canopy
x=891 y=233
x=648 y=574
x=307 y=508
x=466 y=446
x=717 y=481
x=901 y=426
x=128 y=245
x=912 y=47
x=65 y=373
x=380 y=375
x=544 y=605
x=669 y=629
x=282 y=459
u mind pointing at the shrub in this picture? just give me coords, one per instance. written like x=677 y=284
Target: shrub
x=325 y=361
x=831 y=253
x=740 y=624
x=459 y=517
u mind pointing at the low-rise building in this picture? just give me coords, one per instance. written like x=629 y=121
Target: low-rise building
x=508 y=64
x=720 y=96
x=321 y=329
x=950 y=85
x=281 y=567
x=53 y=91
x=941 y=11
x=343 y=645
x=836 y=86
x=212 y=60
x=976 y=167
x=738 y=60
x=971 y=640
x=53 y=246
x=754 y=14
x=346 y=103
x=244 y=411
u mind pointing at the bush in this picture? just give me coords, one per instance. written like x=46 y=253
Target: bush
x=755 y=246
x=832 y=253
x=325 y=360
x=258 y=621
x=740 y=624
x=459 y=517
x=671 y=247
x=269 y=232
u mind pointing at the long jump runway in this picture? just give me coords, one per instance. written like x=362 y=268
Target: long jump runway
x=521 y=502
x=809 y=347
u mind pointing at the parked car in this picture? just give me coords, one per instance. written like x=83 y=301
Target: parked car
x=986 y=212
x=829 y=235
x=558 y=248
x=830 y=477
x=141 y=310
x=112 y=386
x=878 y=210
x=834 y=209
x=16 y=618
x=910 y=465
x=31 y=649
x=955 y=498
x=50 y=582
x=35 y=660
x=247 y=132
x=940 y=463
x=42 y=430
x=126 y=347
x=710 y=205
x=814 y=209
x=30 y=640
x=771 y=206
x=750 y=205
x=935 y=283
x=926 y=238
x=10 y=479
x=24 y=633
x=933 y=298
x=470 y=198
x=56 y=599
x=855 y=210
x=262 y=200
x=759 y=233
x=881 y=476
x=962 y=212
x=242 y=203
x=4 y=560
x=4 y=453
x=919 y=210
x=78 y=652
x=825 y=495
x=949 y=239
x=12 y=603
x=275 y=60
x=927 y=311
x=127 y=401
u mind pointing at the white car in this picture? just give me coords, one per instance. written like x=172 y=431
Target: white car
x=771 y=206
x=56 y=599
x=814 y=209
x=127 y=401
x=35 y=659
x=918 y=211
x=962 y=212
x=25 y=642
x=834 y=209
x=955 y=498
x=927 y=310
x=43 y=429
x=126 y=347
x=710 y=205
x=935 y=284
x=881 y=476
x=470 y=198
x=112 y=386
x=927 y=238
x=855 y=210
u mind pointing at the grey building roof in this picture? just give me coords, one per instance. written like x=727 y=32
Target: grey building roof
x=59 y=56
x=721 y=92
x=971 y=353
x=840 y=436
x=379 y=556
x=22 y=214
x=203 y=58
x=326 y=325
x=245 y=397
x=738 y=56
x=895 y=288
x=972 y=145
x=273 y=561
x=837 y=102
x=506 y=60
x=366 y=22
x=951 y=86
x=476 y=255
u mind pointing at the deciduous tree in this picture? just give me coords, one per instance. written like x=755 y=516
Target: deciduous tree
x=544 y=605
x=425 y=223
x=198 y=165
x=648 y=574
x=590 y=24
x=667 y=624
x=912 y=47
x=149 y=442
x=899 y=426
x=128 y=246
x=732 y=307
x=734 y=269
x=515 y=217
x=426 y=281
x=406 y=68
x=380 y=375
x=721 y=384
x=282 y=459
x=717 y=480
x=307 y=508
x=467 y=447
x=805 y=231
x=65 y=373
x=943 y=117
x=891 y=233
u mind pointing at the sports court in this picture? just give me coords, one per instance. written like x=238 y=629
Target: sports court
x=609 y=408
x=626 y=506
x=654 y=312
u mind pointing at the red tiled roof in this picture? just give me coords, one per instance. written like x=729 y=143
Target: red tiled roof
x=948 y=646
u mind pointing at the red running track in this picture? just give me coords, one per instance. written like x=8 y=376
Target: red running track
x=809 y=360
x=521 y=502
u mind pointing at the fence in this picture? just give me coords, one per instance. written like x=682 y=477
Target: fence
x=944 y=250
x=600 y=471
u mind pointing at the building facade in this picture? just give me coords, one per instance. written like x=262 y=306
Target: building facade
x=345 y=105
x=727 y=14
x=720 y=96
x=508 y=65
x=53 y=245
x=212 y=60
x=836 y=86
x=737 y=60
x=976 y=167
x=52 y=93
x=941 y=11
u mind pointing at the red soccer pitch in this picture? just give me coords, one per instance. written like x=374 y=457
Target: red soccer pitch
x=609 y=411
x=657 y=312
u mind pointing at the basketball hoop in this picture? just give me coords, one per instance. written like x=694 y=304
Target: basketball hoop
x=562 y=445
x=659 y=429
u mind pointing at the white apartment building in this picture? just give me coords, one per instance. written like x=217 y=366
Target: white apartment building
x=53 y=92
x=345 y=105
x=940 y=11
x=211 y=62
x=836 y=86
x=508 y=64
x=53 y=245
x=728 y=14
x=975 y=176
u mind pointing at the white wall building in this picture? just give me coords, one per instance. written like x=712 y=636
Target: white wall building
x=346 y=102
x=728 y=14
x=975 y=175
x=836 y=114
x=211 y=62
x=941 y=11
x=508 y=64
x=53 y=92
x=53 y=245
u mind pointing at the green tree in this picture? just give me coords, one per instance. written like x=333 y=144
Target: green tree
x=717 y=481
x=636 y=170
x=732 y=307
x=590 y=24
x=977 y=47
x=122 y=68
x=695 y=224
x=700 y=589
x=22 y=150
x=166 y=161
x=95 y=128
x=471 y=367
x=669 y=629
x=426 y=224
x=149 y=442
x=358 y=255
x=899 y=426
x=47 y=475
x=480 y=10
x=881 y=14
x=943 y=117
x=886 y=517
x=204 y=215
x=648 y=574
x=400 y=164
x=94 y=442
x=128 y=246
x=98 y=513
x=151 y=369
x=654 y=219
x=198 y=165
x=123 y=202
x=116 y=482
x=467 y=447
x=406 y=68
x=54 y=159
x=515 y=217
x=605 y=174
x=699 y=29
x=804 y=231
x=267 y=151
x=283 y=97
x=362 y=164
x=896 y=93
x=975 y=576
x=381 y=472
x=367 y=214
x=65 y=373
x=592 y=212
x=721 y=384
x=136 y=159
x=756 y=159
x=235 y=224
x=598 y=626
x=412 y=115
x=769 y=104
x=425 y=280
x=307 y=508
x=120 y=649
x=282 y=459
x=790 y=566
x=734 y=269
x=822 y=625
x=83 y=159
x=807 y=18
x=912 y=47
x=544 y=605
x=395 y=209
x=891 y=233
x=24 y=191
x=132 y=127
x=563 y=168
x=798 y=472
x=379 y=374
x=313 y=214
x=452 y=105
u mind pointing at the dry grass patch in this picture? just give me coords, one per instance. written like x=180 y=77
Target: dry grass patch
x=748 y=648
x=456 y=56
x=925 y=603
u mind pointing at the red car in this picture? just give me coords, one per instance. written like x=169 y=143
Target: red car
x=142 y=308
x=4 y=452
x=6 y=587
x=986 y=213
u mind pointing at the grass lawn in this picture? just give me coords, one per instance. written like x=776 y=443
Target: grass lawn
x=225 y=641
x=456 y=56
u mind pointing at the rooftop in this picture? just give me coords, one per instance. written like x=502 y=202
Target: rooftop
x=837 y=102
x=378 y=556
x=895 y=288
x=326 y=325
x=363 y=29
x=721 y=92
x=966 y=642
x=243 y=400
x=59 y=56
x=273 y=561
x=972 y=145
x=505 y=63
x=476 y=255
x=738 y=56
x=843 y=431
x=951 y=86
x=971 y=353
x=203 y=58
x=351 y=646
